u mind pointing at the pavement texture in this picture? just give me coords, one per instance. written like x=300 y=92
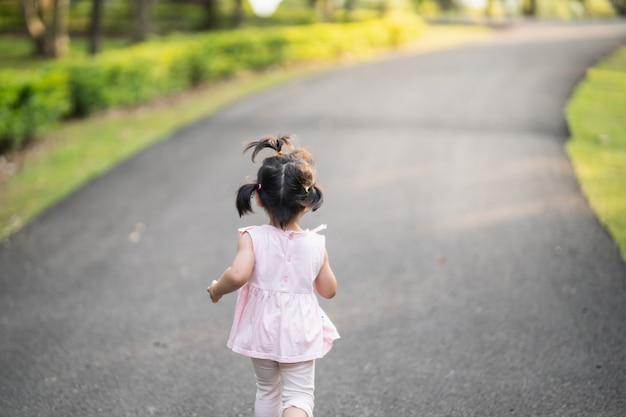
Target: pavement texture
x=474 y=279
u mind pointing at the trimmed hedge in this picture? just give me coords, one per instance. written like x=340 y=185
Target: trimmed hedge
x=30 y=103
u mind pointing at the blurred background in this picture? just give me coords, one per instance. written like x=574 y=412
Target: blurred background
x=51 y=24
x=63 y=61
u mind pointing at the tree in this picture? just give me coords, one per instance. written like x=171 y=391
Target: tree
x=238 y=13
x=47 y=25
x=95 y=27
x=212 y=20
x=619 y=6
x=327 y=9
x=348 y=9
x=447 y=5
x=142 y=11
x=35 y=26
x=529 y=7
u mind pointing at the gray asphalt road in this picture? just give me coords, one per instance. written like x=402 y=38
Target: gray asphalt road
x=474 y=278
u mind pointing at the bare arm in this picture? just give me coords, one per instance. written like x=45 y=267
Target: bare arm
x=326 y=283
x=238 y=273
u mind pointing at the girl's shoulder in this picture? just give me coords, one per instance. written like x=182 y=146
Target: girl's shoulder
x=243 y=230
x=255 y=230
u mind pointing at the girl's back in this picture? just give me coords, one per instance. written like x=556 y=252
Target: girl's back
x=277 y=315
x=286 y=260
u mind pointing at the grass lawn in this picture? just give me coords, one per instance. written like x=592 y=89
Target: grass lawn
x=597 y=118
x=54 y=167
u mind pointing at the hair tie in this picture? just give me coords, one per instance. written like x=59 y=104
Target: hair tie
x=259 y=186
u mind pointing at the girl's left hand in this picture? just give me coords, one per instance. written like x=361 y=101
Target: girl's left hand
x=213 y=298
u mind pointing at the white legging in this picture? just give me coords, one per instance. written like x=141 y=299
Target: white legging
x=283 y=385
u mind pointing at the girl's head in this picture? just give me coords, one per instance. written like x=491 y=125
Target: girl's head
x=285 y=183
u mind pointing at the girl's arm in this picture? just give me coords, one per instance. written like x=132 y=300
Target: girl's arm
x=326 y=283
x=238 y=273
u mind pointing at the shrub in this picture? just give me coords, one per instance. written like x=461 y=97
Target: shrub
x=30 y=103
x=86 y=85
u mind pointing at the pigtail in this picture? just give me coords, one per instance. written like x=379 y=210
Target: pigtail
x=271 y=142
x=314 y=197
x=244 y=197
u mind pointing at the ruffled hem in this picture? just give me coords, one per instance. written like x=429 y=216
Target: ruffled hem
x=281 y=359
x=328 y=344
x=329 y=335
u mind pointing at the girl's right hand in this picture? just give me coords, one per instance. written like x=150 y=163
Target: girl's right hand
x=213 y=298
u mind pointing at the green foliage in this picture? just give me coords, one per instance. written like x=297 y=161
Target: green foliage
x=11 y=15
x=428 y=8
x=596 y=115
x=599 y=8
x=31 y=101
x=569 y=9
x=323 y=41
x=87 y=86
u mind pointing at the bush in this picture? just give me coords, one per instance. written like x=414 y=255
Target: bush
x=87 y=84
x=31 y=102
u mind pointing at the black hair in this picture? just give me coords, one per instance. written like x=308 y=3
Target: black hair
x=285 y=182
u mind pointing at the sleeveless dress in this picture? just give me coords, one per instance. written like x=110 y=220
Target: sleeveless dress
x=277 y=314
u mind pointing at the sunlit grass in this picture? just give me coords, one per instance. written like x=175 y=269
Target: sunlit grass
x=80 y=150
x=597 y=118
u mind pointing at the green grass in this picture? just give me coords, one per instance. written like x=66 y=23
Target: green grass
x=80 y=150
x=597 y=118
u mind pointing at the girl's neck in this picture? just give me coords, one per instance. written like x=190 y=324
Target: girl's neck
x=291 y=227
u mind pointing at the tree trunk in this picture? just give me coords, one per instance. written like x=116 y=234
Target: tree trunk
x=47 y=25
x=348 y=8
x=384 y=8
x=212 y=19
x=35 y=26
x=529 y=7
x=58 y=37
x=327 y=9
x=447 y=4
x=238 y=13
x=141 y=13
x=95 y=27
x=619 y=6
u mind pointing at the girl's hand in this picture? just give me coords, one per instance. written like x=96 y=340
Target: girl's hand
x=213 y=298
x=238 y=274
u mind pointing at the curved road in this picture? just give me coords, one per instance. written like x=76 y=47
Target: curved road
x=474 y=278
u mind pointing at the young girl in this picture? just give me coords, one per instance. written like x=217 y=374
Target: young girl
x=278 y=320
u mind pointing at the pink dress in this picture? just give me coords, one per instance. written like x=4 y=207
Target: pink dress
x=277 y=315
